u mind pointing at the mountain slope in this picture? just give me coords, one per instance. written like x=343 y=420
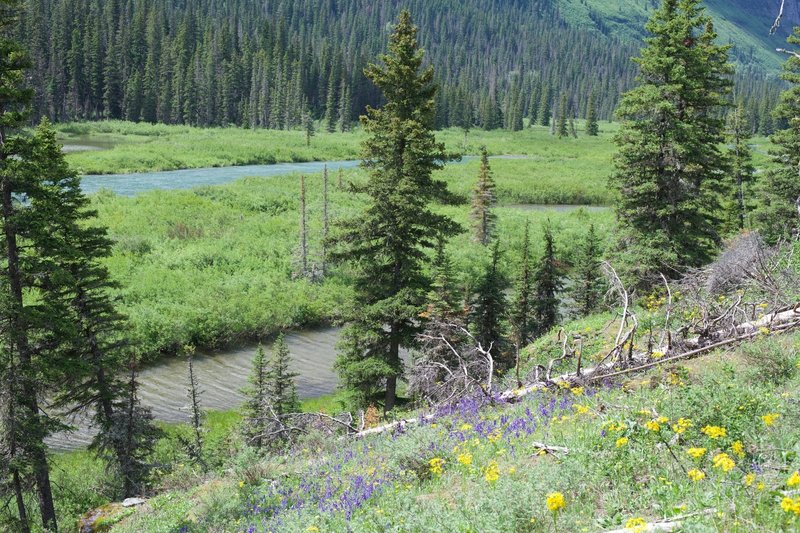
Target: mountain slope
x=744 y=23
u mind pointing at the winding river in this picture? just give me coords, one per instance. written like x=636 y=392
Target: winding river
x=221 y=375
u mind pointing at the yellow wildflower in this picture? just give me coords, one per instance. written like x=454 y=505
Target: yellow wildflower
x=241 y=484
x=696 y=475
x=681 y=425
x=770 y=418
x=312 y=529
x=577 y=391
x=763 y=330
x=492 y=472
x=697 y=453
x=724 y=462
x=436 y=465
x=465 y=427
x=791 y=505
x=622 y=441
x=794 y=480
x=512 y=470
x=555 y=501
x=761 y=485
x=658 y=355
x=662 y=419
x=494 y=436
x=653 y=426
x=715 y=432
x=749 y=479
x=738 y=448
x=580 y=409
x=465 y=459
x=636 y=525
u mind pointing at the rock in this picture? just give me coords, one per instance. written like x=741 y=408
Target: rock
x=133 y=502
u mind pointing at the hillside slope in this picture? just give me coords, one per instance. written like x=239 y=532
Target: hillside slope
x=744 y=23
x=712 y=444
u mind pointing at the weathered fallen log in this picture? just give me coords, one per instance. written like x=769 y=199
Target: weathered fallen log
x=778 y=322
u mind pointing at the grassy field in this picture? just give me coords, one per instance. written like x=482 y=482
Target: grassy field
x=214 y=265
x=125 y=147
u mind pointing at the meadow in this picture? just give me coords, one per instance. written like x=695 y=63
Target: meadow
x=214 y=265
x=710 y=443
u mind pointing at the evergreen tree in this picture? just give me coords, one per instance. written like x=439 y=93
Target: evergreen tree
x=522 y=312
x=669 y=167
x=483 y=202
x=308 y=125
x=572 y=131
x=129 y=439
x=281 y=387
x=303 y=267
x=779 y=214
x=31 y=327
x=488 y=313
x=257 y=402
x=587 y=280
x=194 y=445
x=592 y=128
x=547 y=283
x=742 y=175
x=387 y=240
x=561 y=128
x=545 y=106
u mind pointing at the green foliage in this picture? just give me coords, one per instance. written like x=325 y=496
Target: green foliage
x=387 y=241
x=779 y=215
x=489 y=310
x=483 y=200
x=587 y=280
x=669 y=167
x=548 y=282
x=739 y=202
x=772 y=362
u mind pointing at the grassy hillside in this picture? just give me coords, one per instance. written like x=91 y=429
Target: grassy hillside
x=744 y=23
x=709 y=442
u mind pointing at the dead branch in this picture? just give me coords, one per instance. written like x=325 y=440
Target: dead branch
x=778 y=19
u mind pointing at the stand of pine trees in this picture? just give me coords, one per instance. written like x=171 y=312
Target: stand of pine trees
x=277 y=64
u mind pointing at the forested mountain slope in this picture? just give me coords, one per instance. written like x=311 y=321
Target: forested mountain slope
x=745 y=23
x=279 y=62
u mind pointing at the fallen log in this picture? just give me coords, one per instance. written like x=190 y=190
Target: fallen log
x=664 y=525
x=780 y=321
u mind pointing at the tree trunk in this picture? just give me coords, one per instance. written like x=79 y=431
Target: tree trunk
x=34 y=444
x=394 y=360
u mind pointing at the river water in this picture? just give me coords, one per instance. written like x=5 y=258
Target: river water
x=221 y=375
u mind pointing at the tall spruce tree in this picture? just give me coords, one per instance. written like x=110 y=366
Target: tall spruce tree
x=548 y=282
x=483 y=202
x=33 y=310
x=592 y=127
x=738 y=204
x=587 y=280
x=670 y=169
x=561 y=129
x=779 y=214
x=522 y=313
x=489 y=308
x=281 y=388
x=256 y=402
x=387 y=241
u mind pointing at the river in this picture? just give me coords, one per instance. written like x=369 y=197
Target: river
x=222 y=375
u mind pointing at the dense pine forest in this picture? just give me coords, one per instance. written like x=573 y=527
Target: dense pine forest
x=281 y=63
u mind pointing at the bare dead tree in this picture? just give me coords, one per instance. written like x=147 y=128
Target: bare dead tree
x=778 y=19
x=454 y=365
